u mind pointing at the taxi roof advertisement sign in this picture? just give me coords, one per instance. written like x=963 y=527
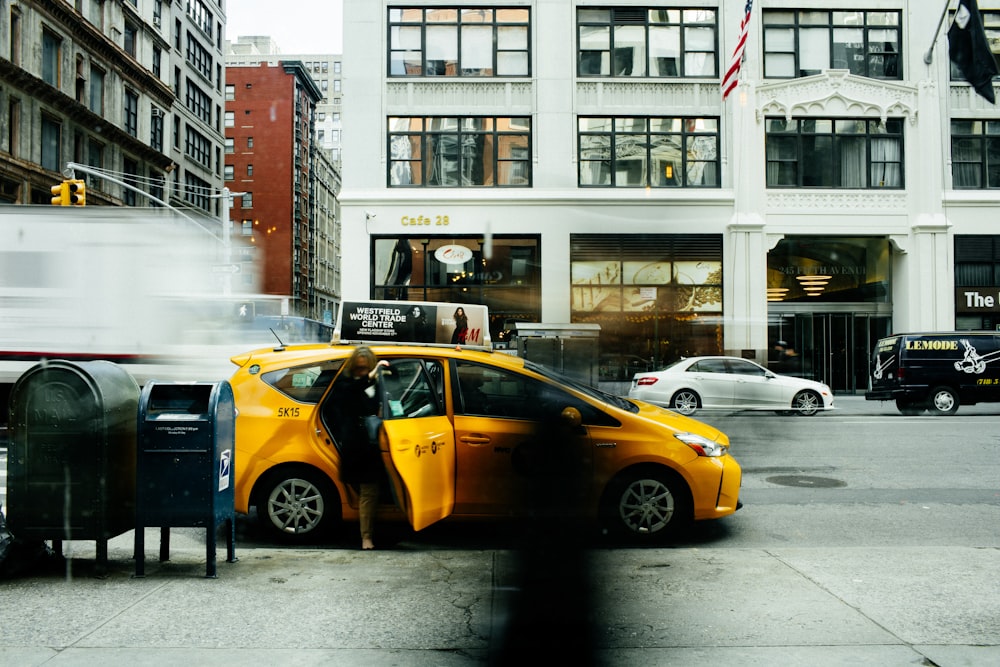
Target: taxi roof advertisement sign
x=414 y=322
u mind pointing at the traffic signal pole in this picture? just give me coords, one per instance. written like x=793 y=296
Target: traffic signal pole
x=74 y=167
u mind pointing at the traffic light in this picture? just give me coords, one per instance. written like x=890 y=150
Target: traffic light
x=77 y=192
x=60 y=194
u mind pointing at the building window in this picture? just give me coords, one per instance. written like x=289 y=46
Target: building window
x=229 y=172
x=975 y=154
x=991 y=26
x=230 y=145
x=641 y=42
x=198 y=56
x=648 y=152
x=249 y=143
x=157 y=60
x=198 y=147
x=130 y=177
x=977 y=261
x=131 y=117
x=97 y=90
x=247 y=227
x=456 y=41
x=247 y=200
x=129 y=43
x=249 y=170
x=230 y=119
x=95 y=158
x=197 y=191
x=459 y=152
x=199 y=102
x=230 y=92
x=51 y=47
x=834 y=153
x=657 y=298
x=806 y=42
x=51 y=143
x=336 y=67
x=156 y=129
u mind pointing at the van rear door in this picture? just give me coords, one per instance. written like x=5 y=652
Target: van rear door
x=885 y=366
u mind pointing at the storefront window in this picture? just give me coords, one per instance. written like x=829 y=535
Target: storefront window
x=656 y=297
x=504 y=276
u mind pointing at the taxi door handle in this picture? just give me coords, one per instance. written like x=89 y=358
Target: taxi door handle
x=475 y=439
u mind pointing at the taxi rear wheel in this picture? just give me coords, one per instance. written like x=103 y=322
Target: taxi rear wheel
x=298 y=504
x=647 y=505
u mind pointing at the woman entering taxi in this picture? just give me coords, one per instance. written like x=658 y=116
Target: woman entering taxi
x=352 y=401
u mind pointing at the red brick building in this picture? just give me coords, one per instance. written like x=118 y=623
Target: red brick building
x=269 y=128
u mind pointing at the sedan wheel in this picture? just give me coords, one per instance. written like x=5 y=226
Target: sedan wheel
x=807 y=403
x=685 y=402
x=297 y=504
x=647 y=506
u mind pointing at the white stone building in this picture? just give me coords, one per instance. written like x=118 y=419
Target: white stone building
x=581 y=154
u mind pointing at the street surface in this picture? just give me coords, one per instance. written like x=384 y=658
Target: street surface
x=867 y=538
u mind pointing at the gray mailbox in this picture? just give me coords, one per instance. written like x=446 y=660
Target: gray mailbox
x=71 y=459
x=572 y=349
x=184 y=464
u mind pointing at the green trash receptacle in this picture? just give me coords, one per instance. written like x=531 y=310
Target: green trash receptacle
x=71 y=456
x=184 y=473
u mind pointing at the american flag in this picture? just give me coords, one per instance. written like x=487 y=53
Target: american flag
x=730 y=80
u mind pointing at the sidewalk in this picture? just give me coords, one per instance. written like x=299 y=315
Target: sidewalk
x=682 y=606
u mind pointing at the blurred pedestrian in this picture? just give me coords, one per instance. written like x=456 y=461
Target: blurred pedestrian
x=351 y=413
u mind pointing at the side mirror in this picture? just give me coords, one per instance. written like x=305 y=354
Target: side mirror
x=571 y=417
x=770 y=375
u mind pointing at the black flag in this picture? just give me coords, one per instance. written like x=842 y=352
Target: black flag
x=969 y=50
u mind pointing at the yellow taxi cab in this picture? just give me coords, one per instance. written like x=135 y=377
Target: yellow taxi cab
x=470 y=433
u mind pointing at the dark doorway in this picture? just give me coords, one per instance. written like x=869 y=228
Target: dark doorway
x=834 y=348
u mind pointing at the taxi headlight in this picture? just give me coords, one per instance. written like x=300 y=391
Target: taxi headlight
x=702 y=445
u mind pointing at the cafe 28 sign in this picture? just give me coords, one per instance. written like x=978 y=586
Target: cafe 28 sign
x=453 y=254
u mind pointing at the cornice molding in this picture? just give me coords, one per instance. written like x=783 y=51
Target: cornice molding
x=837 y=93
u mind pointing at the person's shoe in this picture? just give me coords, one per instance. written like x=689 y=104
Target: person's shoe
x=367 y=544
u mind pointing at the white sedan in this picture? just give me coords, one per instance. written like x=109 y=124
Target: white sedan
x=728 y=382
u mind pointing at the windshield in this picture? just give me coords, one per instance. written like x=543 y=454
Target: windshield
x=596 y=394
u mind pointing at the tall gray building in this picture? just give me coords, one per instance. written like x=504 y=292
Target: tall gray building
x=131 y=88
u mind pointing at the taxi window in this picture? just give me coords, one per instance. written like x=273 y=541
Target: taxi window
x=409 y=389
x=304 y=383
x=490 y=392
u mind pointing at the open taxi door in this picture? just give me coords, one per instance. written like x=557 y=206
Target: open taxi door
x=417 y=441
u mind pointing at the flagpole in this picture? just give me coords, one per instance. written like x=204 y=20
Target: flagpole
x=929 y=56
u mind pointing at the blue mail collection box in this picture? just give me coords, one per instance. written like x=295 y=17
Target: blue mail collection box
x=184 y=462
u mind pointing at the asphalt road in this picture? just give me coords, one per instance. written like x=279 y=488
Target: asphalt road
x=866 y=537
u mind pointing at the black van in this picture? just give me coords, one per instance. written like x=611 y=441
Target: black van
x=936 y=371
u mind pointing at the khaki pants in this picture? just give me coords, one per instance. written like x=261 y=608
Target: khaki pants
x=366 y=509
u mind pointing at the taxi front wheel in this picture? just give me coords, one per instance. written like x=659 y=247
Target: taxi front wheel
x=647 y=505
x=297 y=504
